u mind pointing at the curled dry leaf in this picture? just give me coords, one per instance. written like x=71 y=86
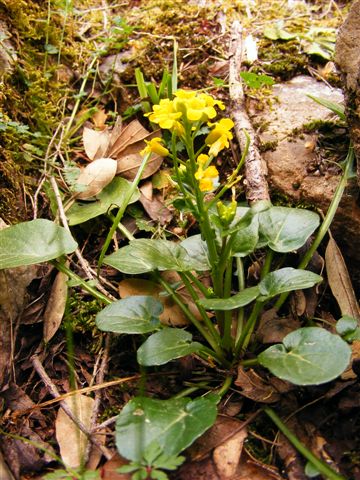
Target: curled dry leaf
x=132 y=133
x=95 y=176
x=254 y=387
x=95 y=143
x=72 y=442
x=55 y=307
x=227 y=455
x=340 y=282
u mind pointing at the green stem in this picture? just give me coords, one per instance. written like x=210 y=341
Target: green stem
x=122 y=208
x=251 y=362
x=79 y=98
x=320 y=465
x=227 y=340
x=248 y=329
x=95 y=293
x=241 y=286
x=202 y=311
x=218 y=354
x=327 y=220
x=267 y=264
x=225 y=386
x=193 y=278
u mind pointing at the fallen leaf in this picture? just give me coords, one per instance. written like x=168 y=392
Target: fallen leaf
x=227 y=455
x=109 y=470
x=5 y=473
x=128 y=165
x=172 y=314
x=132 y=133
x=72 y=442
x=273 y=329
x=55 y=307
x=153 y=206
x=254 y=387
x=95 y=176
x=340 y=282
x=95 y=142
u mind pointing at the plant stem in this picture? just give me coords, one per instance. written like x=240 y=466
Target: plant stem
x=122 y=209
x=248 y=329
x=201 y=309
x=327 y=220
x=241 y=286
x=218 y=354
x=320 y=465
x=93 y=291
x=79 y=98
x=225 y=386
x=193 y=278
x=227 y=340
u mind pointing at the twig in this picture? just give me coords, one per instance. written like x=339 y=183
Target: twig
x=255 y=168
x=84 y=264
x=55 y=393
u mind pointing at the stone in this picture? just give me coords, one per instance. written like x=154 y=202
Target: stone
x=8 y=56
x=290 y=164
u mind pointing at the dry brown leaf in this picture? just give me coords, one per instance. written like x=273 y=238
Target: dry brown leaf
x=95 y=143
x=340 y=282
x=128 y=165
x=95 y=176
x=132 y=133
x=55 y=307
x=72 y=442
x=273 y=329
x=227 y=455
x=5 y=473
x=172 y=314
x=109 y=469
x=254 y=387
x=152 y=204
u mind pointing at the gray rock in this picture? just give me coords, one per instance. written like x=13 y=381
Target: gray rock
x=8 y=55
x=289 y=165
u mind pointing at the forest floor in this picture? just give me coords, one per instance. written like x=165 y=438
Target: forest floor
x=68 y=76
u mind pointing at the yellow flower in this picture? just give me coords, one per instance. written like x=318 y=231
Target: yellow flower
x=208 y=178
x=164 y=114
x=202 y=159
x=219 y=136
x=196 y=106
x=154 y=146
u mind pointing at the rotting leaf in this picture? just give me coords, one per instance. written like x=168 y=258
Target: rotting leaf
x=227 y=455
x=340 y=282
x=55 y=307
x=254 y=387
x=132 y=133
x=94 y=177
x=71 y=440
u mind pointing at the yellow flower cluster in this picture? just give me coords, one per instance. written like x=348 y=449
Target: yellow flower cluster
x=208 y=177
x=192 y=107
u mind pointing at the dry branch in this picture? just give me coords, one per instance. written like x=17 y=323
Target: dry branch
x=255 y=167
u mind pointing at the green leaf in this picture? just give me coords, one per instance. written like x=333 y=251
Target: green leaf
x=286 y=229
x=166 y=345
x=345 y=325
x=110 y=197
x=336 y=108
x=308 y=356
x=146 y=255
x=246 y=239
x=135 y=314
x=254 y=80
x=197 y=250
x=241 y=299
x=174 y=424
x=276 y=32
x=286 y=280
x=34 y=242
